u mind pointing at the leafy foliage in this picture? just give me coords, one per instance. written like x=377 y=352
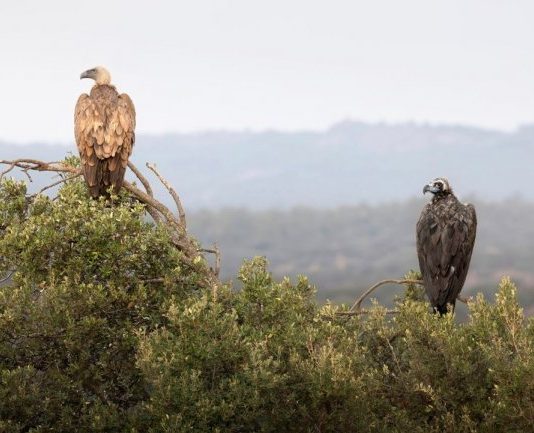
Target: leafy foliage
x=104 y=328
x=81 y=293
x=269 y=359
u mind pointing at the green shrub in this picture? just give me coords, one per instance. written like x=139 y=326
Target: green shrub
x=269 y=359
x=69 y=321
x=104 y=328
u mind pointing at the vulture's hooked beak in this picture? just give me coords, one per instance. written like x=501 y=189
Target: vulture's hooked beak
x=430 y=188
x=85 y=74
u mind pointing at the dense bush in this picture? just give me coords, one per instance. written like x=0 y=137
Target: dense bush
x=268 y=359
x=87 y=343
x=69 y=321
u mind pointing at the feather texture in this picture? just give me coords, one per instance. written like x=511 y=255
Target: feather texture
x=445 y=234
x=104 y=128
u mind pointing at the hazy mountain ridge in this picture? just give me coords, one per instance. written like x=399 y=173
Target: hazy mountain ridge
x=349 y=163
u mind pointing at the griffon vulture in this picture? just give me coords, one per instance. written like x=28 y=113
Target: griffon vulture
x=445 y=237
x=104 y=124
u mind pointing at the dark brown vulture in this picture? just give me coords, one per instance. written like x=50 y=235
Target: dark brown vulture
x=446 y=233
x=104 y=124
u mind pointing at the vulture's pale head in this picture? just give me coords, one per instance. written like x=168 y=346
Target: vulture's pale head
x=439 y=187
x=100 y=74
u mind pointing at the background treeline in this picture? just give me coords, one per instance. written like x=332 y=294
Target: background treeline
x=345 y=250
x=106 y=328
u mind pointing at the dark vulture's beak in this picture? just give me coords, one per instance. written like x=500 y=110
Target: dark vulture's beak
x=85 y=74
x=430 y=188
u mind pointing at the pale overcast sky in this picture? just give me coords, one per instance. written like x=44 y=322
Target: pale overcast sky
x=286 y=64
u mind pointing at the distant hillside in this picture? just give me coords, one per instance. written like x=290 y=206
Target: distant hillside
x=350 y=163
x=345 y=250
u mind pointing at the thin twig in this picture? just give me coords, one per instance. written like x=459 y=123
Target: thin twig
x=356 y=307
x=217 y=259
x=217 y=252
x=151 y=201
x=141 y=178
x=362 y=312
x=65 y=179
x=154 y=207
x=464 y=300
x=151 y=211
x=36 y=165
x=357 y=304
x=172 y=192
x=9 y=275
x=33 y=164
x=25 y=171
x=8 y=169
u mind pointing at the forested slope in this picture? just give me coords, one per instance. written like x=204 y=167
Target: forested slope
x=344 y=250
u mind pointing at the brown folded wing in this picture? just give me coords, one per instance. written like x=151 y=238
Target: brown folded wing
x=105 y=135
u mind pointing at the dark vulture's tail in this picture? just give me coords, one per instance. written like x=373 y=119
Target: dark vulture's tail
x=443 y=309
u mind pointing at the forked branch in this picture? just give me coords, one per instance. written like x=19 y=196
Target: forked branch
x=358 y=303
x=172 y=192
x=159 y=212
x=356 y=308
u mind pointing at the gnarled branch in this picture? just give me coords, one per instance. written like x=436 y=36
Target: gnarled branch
x=356 y=308
x=172 y=192
x=62 y=180
x=215 y=250
x=141 y=178
x=358 y=303
x=159 y=212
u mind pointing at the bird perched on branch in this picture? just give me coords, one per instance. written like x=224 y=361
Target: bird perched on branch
x=446 y=233
x=104 y=124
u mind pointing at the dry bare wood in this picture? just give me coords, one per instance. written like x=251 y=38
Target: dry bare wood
x=141 y=178
x=356 y=308
x=215 y=251
x=6 y=277
x=172 y=192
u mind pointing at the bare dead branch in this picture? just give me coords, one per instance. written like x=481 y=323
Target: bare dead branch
x=159 y=212
x=217 y=260
x=172 y=192
x=65 y=179
x=8 y=169
x=217 y=252
x=25 y=171
x=356 y=308
x=141 y=178
x=362 y=312
x=151 y=211
x=154 y=214
x=7 y=277
x=357 y=304
x=151 y=201
x=36 y=165
x=464 y=300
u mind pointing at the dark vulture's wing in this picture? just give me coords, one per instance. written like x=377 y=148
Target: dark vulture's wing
x=444 y=247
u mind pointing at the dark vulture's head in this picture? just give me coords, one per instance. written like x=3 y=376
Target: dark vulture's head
x=439 y=187
x=99 y=74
